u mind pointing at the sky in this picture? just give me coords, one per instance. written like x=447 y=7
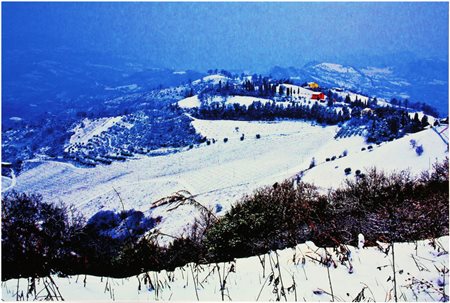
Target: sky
x=229 y=35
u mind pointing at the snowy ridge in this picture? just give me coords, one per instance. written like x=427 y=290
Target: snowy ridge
x=392 y=156
x=291 y=274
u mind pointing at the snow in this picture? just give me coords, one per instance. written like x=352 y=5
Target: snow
x=336 y=68
x=87 y=129
x=16 y=119
x=437 y=82
x=418 y=267
x=6 y=183
x=190 y=102
x=218 y=173
x=353 y=96
x=377 y=71
x=215 y=79
x=245 y=100
x=361 y=241
x=9 y=183
x=124 y=87
x=194 y=101
x=299 y=92
x=400 y=83
x=392 y=156
x=420 y=114
x=179 y=72
x=224 y=172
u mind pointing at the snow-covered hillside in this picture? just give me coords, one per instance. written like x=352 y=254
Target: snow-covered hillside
x=194 y=101
x=414 y=80
x=88 y=128
x=214 y=79
x=222 y=172
x=219 y=173
x=293 y=274
x=353 y=96
x=300 y=95
x=391 y=156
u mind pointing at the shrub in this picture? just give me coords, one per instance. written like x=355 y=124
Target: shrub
x=225 y=140
x=126 y=225
x=419 y=150
x=35 y=235
x=327 y=159
x=218 y=208
x=242 y=137
x=333 y=158
x=369 y=147
x=258 y=136
x=344 y=153
x=104 y=220
x=363 y=149
x=273 y=217
x=347 y=171
x=357 y=172
x=313 y=163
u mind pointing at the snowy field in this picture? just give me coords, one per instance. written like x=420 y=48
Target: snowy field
x=220 y=173
x=392 y=156
x=293 y=274
x=6 y=182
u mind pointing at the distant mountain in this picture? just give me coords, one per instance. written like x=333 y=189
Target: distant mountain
x=419 y=80
x=37 y=81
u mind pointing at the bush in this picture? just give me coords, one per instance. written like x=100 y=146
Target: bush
x=273 y=217
x=225 y=140
x=258 y=136
x=348 y=171
x=357 y=172
x=369 y=147
x=333 y=158
x=313 y=163
x=36 y=236
x=327 y=159
x=363 y=149
x=128 y=225
x=419 y=150
x=218 y=208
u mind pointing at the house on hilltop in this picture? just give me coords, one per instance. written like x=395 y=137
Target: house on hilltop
x=318 y=96
x=313 y=85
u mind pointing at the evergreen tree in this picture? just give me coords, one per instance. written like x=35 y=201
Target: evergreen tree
x=347 y=99
x=425 y=121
